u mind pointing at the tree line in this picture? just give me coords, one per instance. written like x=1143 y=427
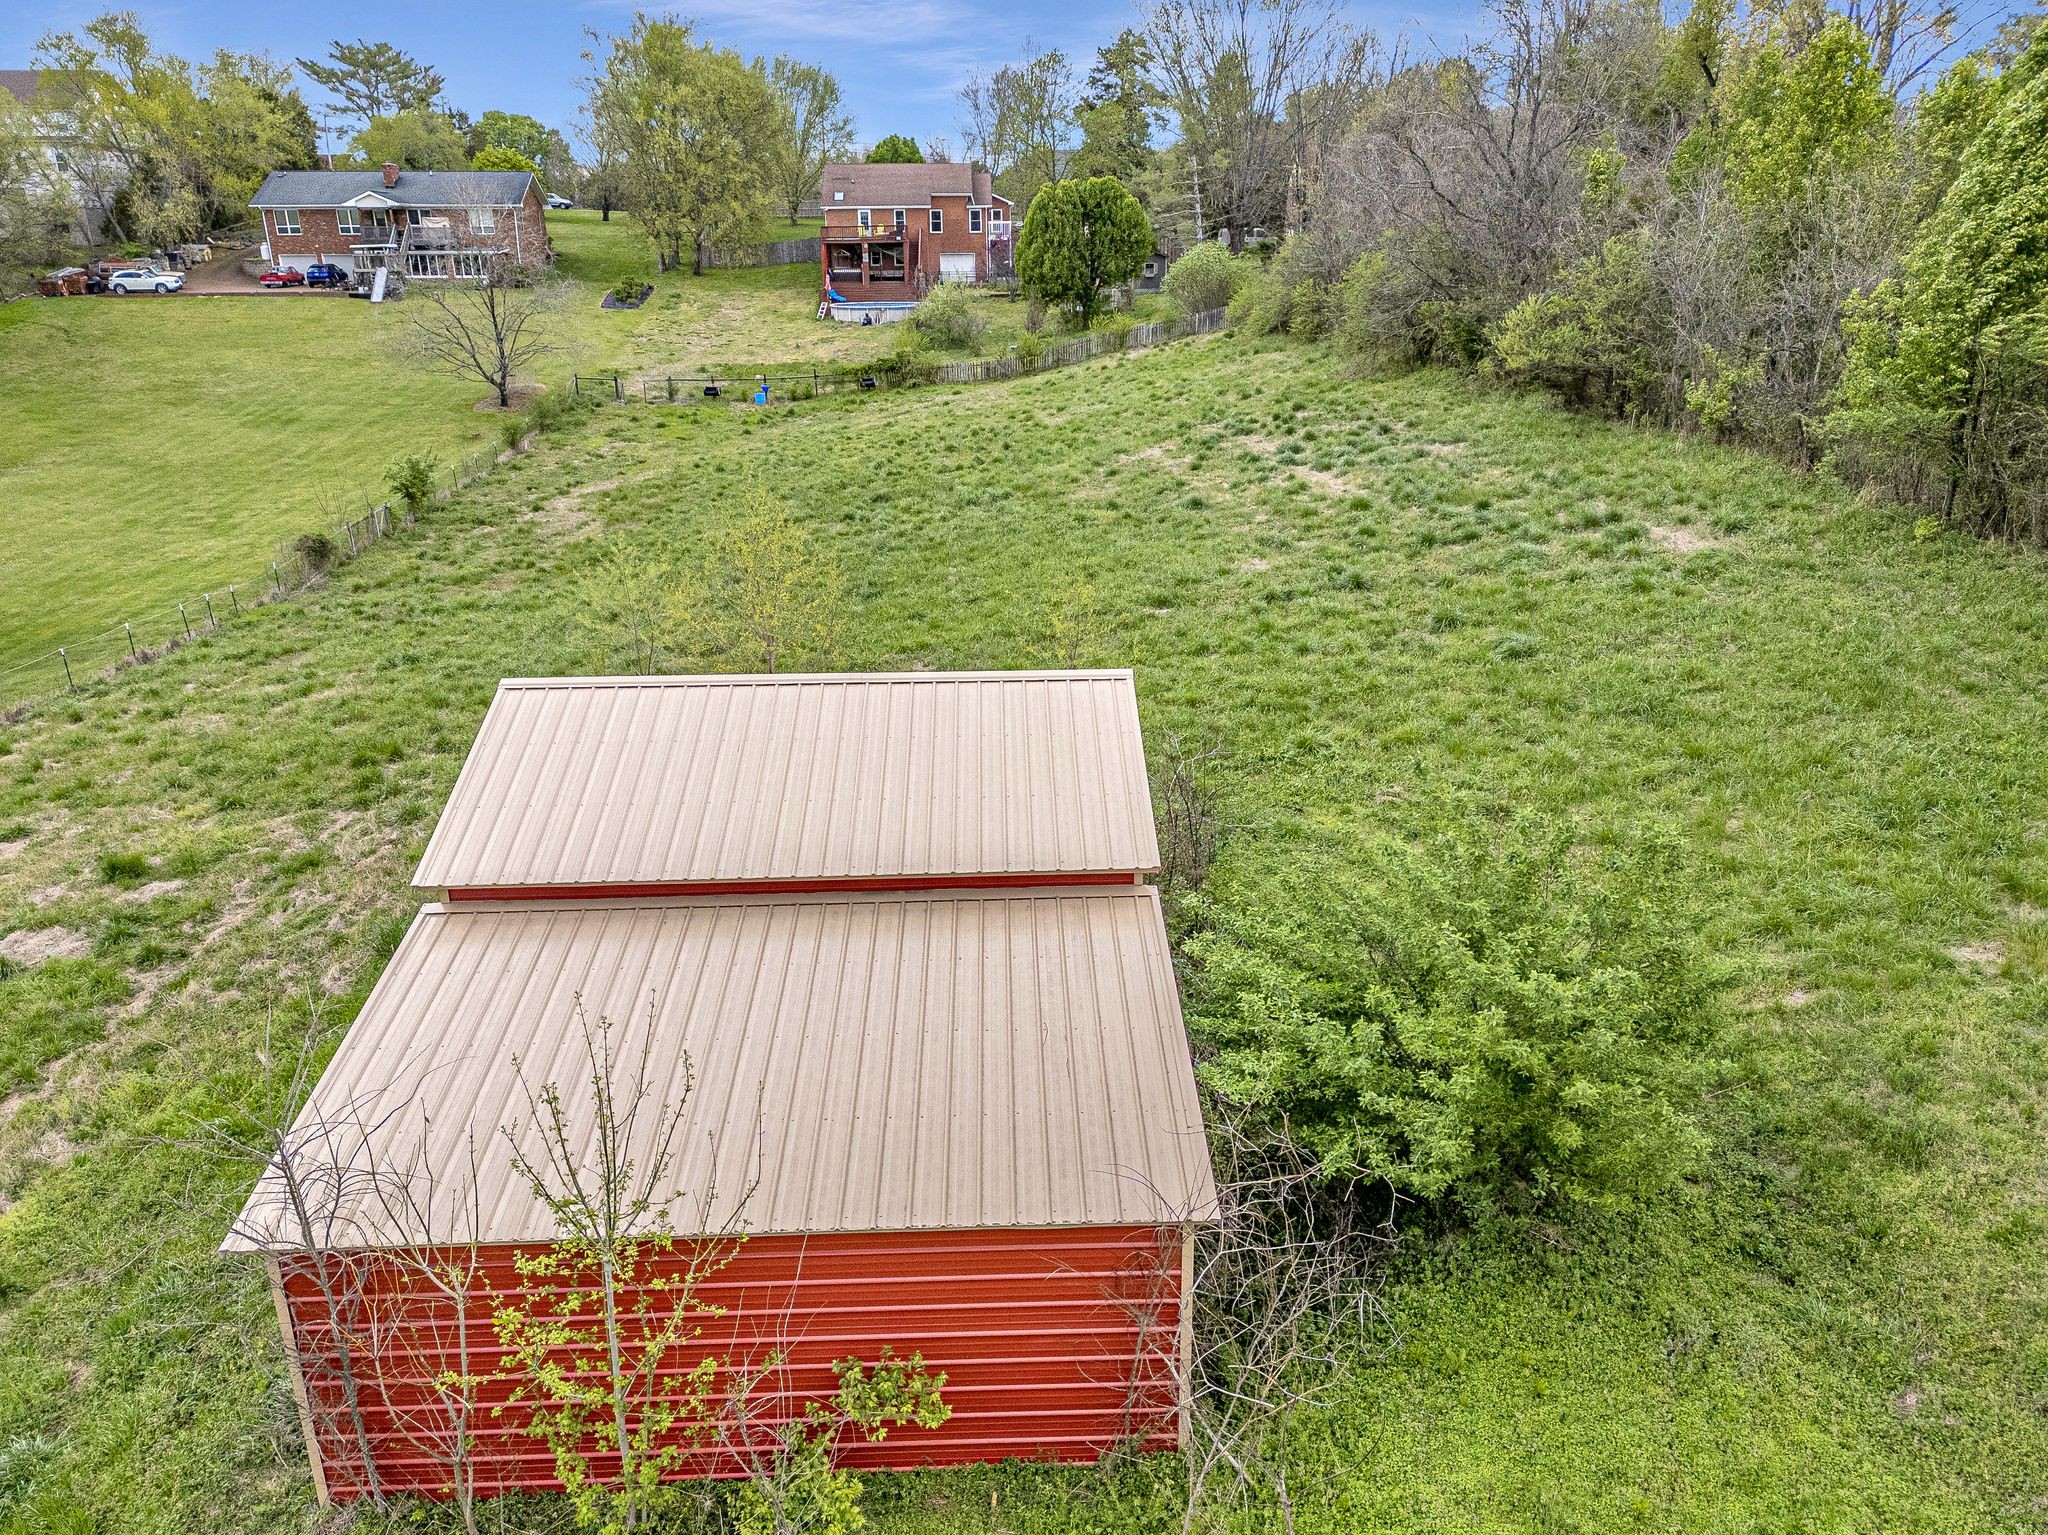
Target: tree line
x=1789 y=226
x=700 y=145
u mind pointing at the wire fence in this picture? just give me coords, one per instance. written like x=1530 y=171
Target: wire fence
x=695 y=388
x=349 y=529
x=1098 y=343
x=690 y=388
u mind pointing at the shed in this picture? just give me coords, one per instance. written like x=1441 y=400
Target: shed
x=957 y=1119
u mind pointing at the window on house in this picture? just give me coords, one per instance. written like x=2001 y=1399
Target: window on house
x=938 y=221
x=287 y=221
x=483 y=221
x=350 y=220
x=414 y=215
x=974 y=221
x=899 y=218
x=865 y=218
x=839 y=197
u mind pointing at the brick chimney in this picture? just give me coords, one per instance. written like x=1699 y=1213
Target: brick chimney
x=390 y=174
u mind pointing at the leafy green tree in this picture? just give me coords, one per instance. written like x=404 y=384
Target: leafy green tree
x=373 y=80
x=525 y=136
x=1949 y=364
x=815 y=130
x=1497 y=1015
x=171 y=149
x=1078 y=239
x=412 y=141
x=1792 y=121
x=37 y=217
x=1020 y=122
x=493 y=158
x=692 y=129
x=896 y=149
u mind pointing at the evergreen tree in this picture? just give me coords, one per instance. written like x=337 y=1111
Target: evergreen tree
x=1080 y=238
x=371 y=80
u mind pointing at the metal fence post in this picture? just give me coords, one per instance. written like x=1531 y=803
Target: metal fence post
x=67 y=669
x=131 y=642
x=618 y=389
x=276 y=579
x=207 y=598
x=184 y=620
x=234 y=607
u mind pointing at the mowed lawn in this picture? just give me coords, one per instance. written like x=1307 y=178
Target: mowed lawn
x=156 y=449
x=1371 y=599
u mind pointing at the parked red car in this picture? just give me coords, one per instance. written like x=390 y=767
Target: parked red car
x=283 y=277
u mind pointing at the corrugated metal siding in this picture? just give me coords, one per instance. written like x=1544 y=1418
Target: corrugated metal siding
x=862 y=1063
x=1056 y=1345
x=673 y=780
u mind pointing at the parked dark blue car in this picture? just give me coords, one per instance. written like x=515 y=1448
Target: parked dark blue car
x=324 y=274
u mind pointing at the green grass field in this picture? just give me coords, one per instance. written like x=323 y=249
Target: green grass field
x=1367 y=595
x=156 y=450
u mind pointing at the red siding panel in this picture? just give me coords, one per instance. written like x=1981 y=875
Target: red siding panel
x=1055 y=1345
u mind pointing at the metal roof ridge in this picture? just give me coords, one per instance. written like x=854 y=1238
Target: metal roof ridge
x=843 y=679
x=827 y=896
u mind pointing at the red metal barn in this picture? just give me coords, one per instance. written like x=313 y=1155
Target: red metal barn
x=892 y=935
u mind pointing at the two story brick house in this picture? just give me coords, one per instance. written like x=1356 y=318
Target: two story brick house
x=891 y=231
x=420 y=224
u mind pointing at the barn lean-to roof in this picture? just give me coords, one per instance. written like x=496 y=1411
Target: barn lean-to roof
x=907 y=1062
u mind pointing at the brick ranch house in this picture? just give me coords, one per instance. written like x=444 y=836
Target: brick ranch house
x=420 y=224
x=892 y=231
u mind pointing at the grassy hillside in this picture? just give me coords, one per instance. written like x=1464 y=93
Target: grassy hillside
x=1369 y=595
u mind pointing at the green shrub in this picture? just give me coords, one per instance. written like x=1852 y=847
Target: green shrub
x=911 y=360
x=1288 y=294
x=549 y=410
x=950 y=316
x=1496 y=1015
x=1598 y=336
x=411 y=480
x=1207 y=277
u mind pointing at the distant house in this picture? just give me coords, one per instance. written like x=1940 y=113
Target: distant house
x=420 y=224
x=892 y=231
x=90 y=182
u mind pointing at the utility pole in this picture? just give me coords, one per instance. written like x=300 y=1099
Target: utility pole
x=1196 y=163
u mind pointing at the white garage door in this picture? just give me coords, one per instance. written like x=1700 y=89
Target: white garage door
x=956 y=268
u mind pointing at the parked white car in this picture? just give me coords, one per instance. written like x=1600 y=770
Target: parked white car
x=557 y=201
x=144 y=279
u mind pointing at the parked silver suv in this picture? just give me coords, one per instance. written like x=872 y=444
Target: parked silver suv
x=144 y=279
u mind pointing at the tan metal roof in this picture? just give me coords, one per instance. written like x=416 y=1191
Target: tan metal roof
x=867 y=1063
x=664 y=780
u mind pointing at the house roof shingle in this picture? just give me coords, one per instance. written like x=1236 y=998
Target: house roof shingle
x=420 y=189
x=902 y=186
x=19 y=83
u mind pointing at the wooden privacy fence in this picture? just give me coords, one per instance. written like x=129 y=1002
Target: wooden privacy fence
x=154 y=632
x=774 y=253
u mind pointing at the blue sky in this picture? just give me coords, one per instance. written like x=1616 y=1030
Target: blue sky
x=901 y=62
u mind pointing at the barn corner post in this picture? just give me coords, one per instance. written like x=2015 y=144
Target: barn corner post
x=295 y=1363
x=1184 y=1409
